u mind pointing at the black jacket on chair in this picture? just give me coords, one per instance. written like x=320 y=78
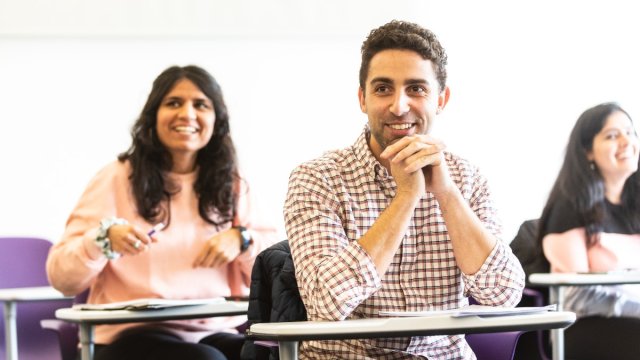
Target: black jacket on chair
x=273 y=296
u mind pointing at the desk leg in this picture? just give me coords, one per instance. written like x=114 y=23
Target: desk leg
x=288 y=350
x=86 y=341
x=10 y=331
x=556 y=294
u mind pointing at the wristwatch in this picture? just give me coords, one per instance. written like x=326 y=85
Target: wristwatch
x=103 y=241
x=245 y=236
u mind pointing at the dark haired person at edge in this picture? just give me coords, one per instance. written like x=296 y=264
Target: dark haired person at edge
x=591 y=222
x=180 y=171
x=394 y=222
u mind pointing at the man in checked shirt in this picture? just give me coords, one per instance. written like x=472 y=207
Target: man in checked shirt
x=394 y=222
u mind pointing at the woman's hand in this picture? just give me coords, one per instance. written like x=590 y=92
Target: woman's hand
x=128 y=239
x=220 y=250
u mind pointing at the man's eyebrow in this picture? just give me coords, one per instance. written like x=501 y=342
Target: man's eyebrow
x=381 y=79
x=387 y=80
x=416 y=81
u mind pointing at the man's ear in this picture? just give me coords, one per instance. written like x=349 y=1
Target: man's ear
x=363 y=106
x=443 y=99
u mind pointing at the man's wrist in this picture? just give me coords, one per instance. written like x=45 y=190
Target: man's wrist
x=408 y=197
x=442 y=197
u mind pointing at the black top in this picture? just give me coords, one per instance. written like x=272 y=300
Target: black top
x=564 y=217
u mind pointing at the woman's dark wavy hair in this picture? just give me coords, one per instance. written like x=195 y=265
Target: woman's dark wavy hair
x=583 y=186
x=408 y=36
x=151 y=161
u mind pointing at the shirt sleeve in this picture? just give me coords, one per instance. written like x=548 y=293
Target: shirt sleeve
x=334 y=274
x=76 y=260
x=501 y=279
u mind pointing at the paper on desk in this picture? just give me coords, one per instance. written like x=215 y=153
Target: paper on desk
x=148 y=304
x=473 y=310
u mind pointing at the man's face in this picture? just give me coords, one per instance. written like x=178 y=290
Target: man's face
x=401 y=97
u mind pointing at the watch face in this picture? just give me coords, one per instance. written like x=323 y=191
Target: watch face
x=246 y=238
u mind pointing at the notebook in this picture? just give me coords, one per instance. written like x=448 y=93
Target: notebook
x=148 y=304
x=474 y=310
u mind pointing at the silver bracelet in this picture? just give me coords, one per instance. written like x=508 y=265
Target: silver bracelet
x=103 y=241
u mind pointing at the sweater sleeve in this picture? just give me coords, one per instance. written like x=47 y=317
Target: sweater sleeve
x=75 y=261
x=567 y=251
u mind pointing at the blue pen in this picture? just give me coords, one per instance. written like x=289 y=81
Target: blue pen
x=155 y=229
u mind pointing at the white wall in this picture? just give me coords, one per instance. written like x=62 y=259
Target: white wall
x=75 y=73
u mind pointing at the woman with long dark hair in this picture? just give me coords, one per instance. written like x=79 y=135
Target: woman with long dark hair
x=171 y=218
x=591 y=222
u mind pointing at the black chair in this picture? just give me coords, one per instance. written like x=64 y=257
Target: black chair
x=273 y=297
x=593 y=337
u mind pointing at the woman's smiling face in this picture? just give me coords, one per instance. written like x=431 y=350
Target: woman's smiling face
x=615 y=148
x=185 y=120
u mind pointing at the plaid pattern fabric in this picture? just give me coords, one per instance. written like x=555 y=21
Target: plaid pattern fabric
x=332 y=201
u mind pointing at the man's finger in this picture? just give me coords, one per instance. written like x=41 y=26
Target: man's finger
x=421 y=161
x=392 y=149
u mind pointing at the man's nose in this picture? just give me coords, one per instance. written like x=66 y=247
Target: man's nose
x=400 y=105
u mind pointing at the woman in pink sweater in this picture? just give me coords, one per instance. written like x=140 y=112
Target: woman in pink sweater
x=180 y=171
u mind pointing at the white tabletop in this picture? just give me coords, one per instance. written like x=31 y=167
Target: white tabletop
x=31 y=294
x=408 y=326
x=578 y=279
x=179 y=312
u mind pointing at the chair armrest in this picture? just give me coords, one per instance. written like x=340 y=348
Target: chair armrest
x=54 y=325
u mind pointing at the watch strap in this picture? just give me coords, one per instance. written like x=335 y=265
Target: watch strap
x=245 y=238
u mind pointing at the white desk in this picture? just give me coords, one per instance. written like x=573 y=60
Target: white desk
x=88 y=318
x=557 y=283
x=288 y=334
x=10 y=297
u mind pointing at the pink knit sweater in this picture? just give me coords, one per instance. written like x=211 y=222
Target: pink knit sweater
x=166 y=269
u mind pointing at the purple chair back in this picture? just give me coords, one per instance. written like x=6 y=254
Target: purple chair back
x=494 y=346
x=22 y=264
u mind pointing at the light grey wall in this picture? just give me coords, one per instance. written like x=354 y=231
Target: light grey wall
x=75 y=73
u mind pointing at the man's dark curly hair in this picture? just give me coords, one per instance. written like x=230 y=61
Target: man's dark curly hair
x=404 y=35
x=150 y=161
